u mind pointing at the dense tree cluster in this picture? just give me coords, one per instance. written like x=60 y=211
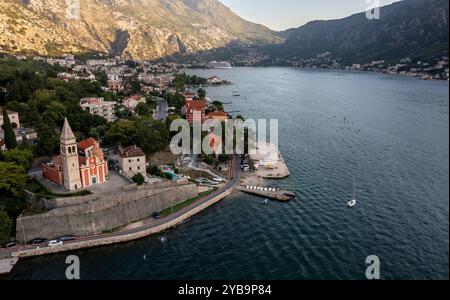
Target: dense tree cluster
x=182 y=80
x=150 y=135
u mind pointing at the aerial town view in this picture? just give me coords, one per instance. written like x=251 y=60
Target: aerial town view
x=209 y=140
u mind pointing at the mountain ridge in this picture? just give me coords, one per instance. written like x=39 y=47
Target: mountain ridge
x=406 y=28
x=154 y=28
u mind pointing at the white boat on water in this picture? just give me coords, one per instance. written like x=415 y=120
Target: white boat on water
x=352 y=202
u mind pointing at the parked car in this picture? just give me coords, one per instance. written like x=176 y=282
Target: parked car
x=156 y=215
x=66 y=238
x=37 y=241
x=55 y=243
x=11 y=244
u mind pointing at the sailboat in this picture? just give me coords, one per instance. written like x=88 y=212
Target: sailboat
x=352 y=202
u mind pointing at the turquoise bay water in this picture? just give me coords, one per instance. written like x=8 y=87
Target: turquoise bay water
x=389 y=136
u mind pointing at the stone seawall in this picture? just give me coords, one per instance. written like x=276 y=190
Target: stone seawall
x=93 y=214
x=122 y=238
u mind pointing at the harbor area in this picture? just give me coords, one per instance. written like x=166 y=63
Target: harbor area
x=271 y=193
x=266 y=164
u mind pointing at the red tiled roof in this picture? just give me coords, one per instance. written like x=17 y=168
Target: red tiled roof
x=132 y=151
x=196 y=104
x=90 y=142
x=217 y=114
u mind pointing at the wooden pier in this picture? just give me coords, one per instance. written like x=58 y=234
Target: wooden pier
x=271 y=193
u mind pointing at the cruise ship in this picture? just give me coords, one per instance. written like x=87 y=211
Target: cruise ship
x=220 y=65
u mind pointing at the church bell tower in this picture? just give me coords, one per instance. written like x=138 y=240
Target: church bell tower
x=69 y=155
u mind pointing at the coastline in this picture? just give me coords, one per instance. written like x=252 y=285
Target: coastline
x=128 y=234
x=341 y=70
x=269 y=164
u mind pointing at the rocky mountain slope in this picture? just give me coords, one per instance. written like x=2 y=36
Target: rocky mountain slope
x=414 y=28
x=141 y=29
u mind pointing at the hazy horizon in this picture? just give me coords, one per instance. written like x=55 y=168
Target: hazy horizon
x=285 y=14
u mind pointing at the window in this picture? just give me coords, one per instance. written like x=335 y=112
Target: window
x=138 y=159
x=139 y=168
x=129 y=160
x=130 y=169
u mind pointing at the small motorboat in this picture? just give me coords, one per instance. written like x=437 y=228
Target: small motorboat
x=265 y=202
x=352 y=202
x=163 y=239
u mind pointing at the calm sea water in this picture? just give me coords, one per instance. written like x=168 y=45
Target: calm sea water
x=388 y=136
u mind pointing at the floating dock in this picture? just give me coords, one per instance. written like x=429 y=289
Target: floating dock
x=271 y=193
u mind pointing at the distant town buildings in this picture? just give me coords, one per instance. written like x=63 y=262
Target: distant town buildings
x=115 y=85
x=99 y=107
x=132 y=161
x=79 y=165
x=68 y=76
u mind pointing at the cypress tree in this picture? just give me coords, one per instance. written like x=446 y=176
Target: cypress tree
x=10 y=137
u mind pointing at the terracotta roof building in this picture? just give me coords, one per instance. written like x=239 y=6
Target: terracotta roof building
x=217 y=115
x=79 y=165
x=132 y=161
x=194 y=108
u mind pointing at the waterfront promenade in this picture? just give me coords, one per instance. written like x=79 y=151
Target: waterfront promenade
x=150 y=227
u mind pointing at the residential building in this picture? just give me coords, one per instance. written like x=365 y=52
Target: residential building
x=99 y=107
x=133 y=101
x=2 y=145
x=115 y=85
x=193 y=108
x=132 y=161
x=215 y=80
x=79 y=165
x=188 y=96
x=13 y=118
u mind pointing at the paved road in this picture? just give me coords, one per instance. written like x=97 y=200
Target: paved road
x=163 y=107
x=234 y=180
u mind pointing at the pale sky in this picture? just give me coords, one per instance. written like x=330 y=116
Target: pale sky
x=284 y=14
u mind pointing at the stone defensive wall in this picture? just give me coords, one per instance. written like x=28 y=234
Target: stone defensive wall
x=122 y=238
x=94 y=214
